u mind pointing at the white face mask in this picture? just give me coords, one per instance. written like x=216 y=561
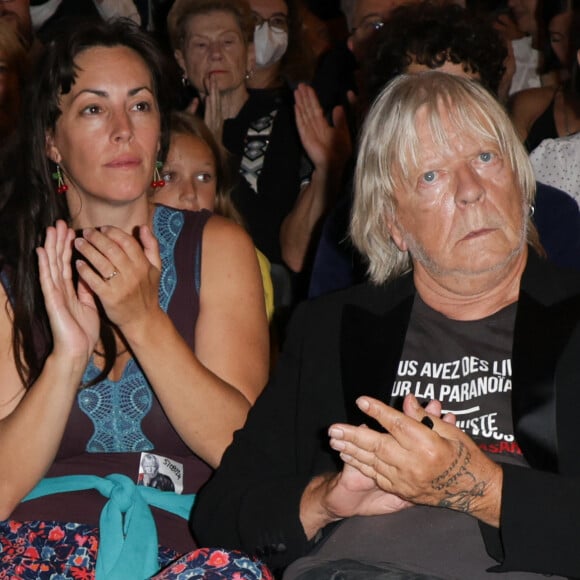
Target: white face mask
x=270 y=45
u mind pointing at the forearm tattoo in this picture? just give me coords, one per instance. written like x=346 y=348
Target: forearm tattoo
x=459 y=474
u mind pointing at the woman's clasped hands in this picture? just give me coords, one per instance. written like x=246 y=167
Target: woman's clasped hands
x=121 y=271
x=125 y=272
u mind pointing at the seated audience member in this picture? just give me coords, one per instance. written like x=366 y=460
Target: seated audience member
x=109 y=349
x=422 y=36
x=462 y=316
x=196 y=177
x=557 y=161
x=283 y=56
x=552 y=111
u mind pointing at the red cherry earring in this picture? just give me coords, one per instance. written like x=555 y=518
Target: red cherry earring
x=61 y=186
x=157 y=181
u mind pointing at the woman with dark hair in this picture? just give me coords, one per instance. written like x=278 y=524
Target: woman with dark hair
x=557 y=161
x=552 y=111
x=121 y=331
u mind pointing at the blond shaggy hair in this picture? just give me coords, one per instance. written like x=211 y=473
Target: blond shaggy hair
x=390 y=152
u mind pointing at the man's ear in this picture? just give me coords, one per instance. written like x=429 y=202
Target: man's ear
x=397 y=235
x=51 y=149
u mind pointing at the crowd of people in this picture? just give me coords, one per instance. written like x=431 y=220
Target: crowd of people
x=287 y=291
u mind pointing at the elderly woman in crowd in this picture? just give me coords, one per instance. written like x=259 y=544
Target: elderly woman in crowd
x=288 y=165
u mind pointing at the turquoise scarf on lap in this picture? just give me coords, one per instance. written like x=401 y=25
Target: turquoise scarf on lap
x=128 y=544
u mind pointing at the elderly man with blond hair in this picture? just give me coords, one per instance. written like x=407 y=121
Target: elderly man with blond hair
x=423 y=425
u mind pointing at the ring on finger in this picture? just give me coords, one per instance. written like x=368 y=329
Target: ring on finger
x=111 y=275
x=427 y=421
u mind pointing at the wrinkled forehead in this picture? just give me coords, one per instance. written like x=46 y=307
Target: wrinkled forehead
x=442 y=126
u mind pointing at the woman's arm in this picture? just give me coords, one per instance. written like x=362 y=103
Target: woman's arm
x=328 y=147
x=32 y=421
x=206 y=394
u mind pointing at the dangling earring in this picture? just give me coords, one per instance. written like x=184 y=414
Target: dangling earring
x=184 y=81
x=532 y=210
x=157 y=181
x=249 y=74
x=61 y=186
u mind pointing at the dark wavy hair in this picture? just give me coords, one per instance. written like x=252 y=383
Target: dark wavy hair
x=547 y=11
x=431 y=33
x=32 y=202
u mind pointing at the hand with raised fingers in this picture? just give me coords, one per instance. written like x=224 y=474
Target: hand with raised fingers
x=425 y=461
x=73 y=316
x=124 y=272
x=326 y=145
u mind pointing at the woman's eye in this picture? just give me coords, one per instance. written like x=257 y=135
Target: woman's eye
x=142 y=107
x=229 y=40
x=486 y=156
x=91 y=110
x=204 y=177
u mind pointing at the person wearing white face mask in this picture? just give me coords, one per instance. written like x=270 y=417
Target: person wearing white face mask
x=281 y=56
x=270 y=41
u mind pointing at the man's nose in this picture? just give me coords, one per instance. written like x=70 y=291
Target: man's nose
x=469 y=187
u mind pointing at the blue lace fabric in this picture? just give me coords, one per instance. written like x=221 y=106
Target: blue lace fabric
x=117 y=408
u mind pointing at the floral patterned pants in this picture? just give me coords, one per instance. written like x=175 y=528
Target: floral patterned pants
x=57 y=551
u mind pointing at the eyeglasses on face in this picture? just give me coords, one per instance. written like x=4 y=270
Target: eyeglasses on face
x=278 y=21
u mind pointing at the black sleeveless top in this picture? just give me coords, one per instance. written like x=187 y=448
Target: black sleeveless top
x=544 y=127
